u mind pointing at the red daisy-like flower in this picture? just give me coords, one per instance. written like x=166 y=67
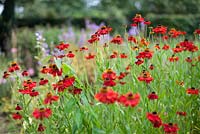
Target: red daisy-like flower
x=104 y=30
x=192 y=91
x=41 y=128
x=50 y=98
x=114 y=55
x=173 y=58
x=33 y=93
x=170 y=128
x=94 y=38
x=138 y=18
x=44 y=70
x=197 y=31
x=62 y=46
x=70 y=54
x=117 y=40
x=25 y=73
x=181 y=113
x=132 y=39
x=83 y=48
x=109 y=74
x=53 y=70
x=147 y=22
x=177 y=49
x=18 y=107
x=43 y=81
x=106 y=95
x=153 y=96
x=165 y=47
x=139 y=62
x=122 y=75
x=90 y=56
x=123 y=55
x=16 y=116
x=42 y=113
x=6 y=75
x=160 y=29
x=29 y=83
x=151 y=67
x=157 y=46
x=75 y=91
x=110 y=83
x=154 y=119
x=145 y=54
x=14 y=67
x=145 y=76
x=129 y=99
x=188 y=59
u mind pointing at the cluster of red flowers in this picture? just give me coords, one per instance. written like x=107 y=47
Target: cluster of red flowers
x=108 y=96
x=157 y=122
x=145 y=76
x=175 y=33
x=139 y=19
x=52 y=69
x=12 y=68
x=160 y=29
x=96 y=36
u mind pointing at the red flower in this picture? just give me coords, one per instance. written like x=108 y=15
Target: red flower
x=106 y=95
x=62 y=46
x=138 y=18
x=114 y=55
x=151 y=67
x=173 y=58
x=49 y=98
x=110 y=83
x=117 y=40
x=83 y=48
x=53 y=70
x=63 y=84
x=75 y=91
x=154 y=119
x=187 y=45
x=132 y=39
x=123 y=55
x=33 y=93
x=145 y=76
x=160 y=29
x=6 y=75
x=43 y=81
x=139 y=62
x=29 y=83
x=109 y=74
x=147 y=22
x=145 y=54
x=153 y=96
x=192 y=91
x=14 y=67
x=90 y=56
x=181 y=113
x=157 y=46
x=44 y=70
x=170 y=128
x=165 y=47
x=197 y=31
x=104 y=30
x=70 y=54
x=188 y=59
x=18 y=107
x=25 y=73
x=16 y=116
x=177 y=49
x=94 y=38
x=41 y=128
x=42 y=113
x=129 y=99
x=26 y=90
